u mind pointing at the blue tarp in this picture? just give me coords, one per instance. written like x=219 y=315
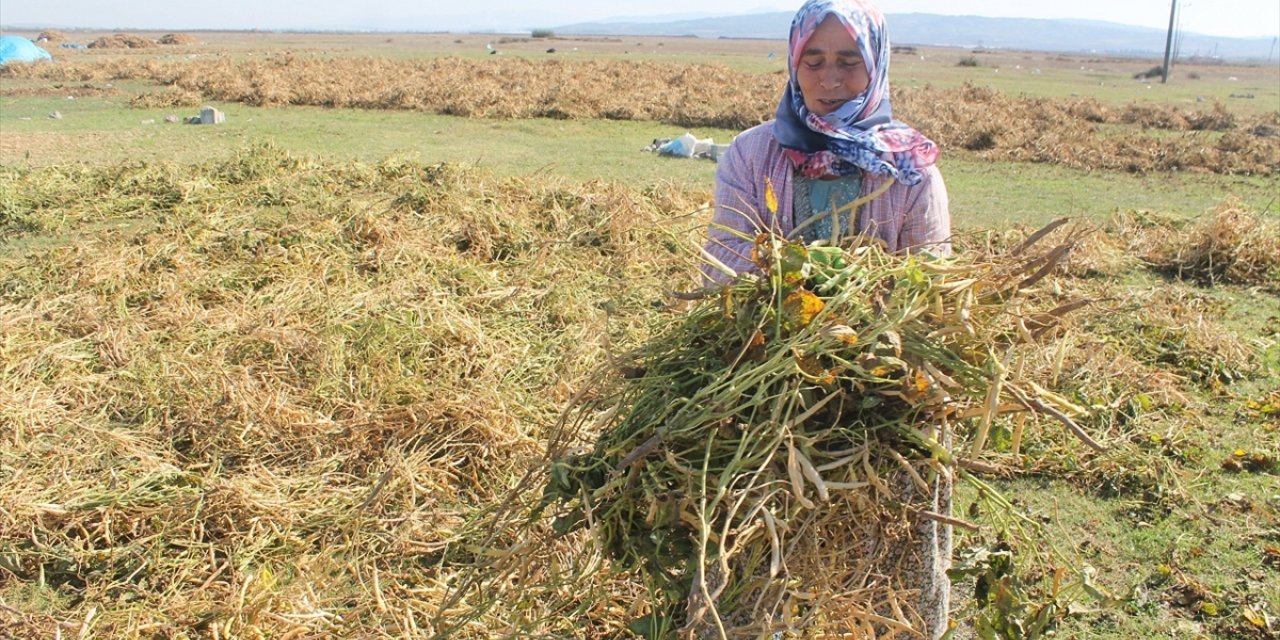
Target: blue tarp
x=20 y=49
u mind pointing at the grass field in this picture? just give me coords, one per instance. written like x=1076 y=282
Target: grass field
x=258 y=379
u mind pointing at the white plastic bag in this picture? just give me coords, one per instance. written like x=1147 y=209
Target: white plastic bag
x=681 y=147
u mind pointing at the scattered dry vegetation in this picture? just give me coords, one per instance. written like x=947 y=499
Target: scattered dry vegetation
x=79 y=90
x=276 y=401
x=1078 y=132
x=297 y=405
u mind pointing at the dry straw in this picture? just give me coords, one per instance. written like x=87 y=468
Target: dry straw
x=122 y=41
x=1077 y=132
x=1229 y=245
x=271 y=395
x=269 y=401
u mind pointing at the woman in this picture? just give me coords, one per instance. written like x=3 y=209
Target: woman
x=834 y=148
x=833 y=143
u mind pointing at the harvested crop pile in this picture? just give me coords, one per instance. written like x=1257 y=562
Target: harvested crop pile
x=177 y=38
x=52 y=36
x=1230 y=245
x=781 y=457
x=1138 y=138
x=167 y=97
x=710 y=95
x=1002 y=127
x=122 y=41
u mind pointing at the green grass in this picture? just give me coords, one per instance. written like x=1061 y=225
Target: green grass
x=995 y=194
x=1212 y=535
x=104 y=131
x=1159 y=522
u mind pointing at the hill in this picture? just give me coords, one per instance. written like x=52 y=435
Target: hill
x=1068 y=36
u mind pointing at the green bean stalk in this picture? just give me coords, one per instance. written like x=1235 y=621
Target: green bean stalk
x=743 y=440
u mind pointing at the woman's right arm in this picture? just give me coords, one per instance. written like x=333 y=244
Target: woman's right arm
x=740 y=213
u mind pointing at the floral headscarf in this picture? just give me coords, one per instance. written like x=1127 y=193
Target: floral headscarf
x=861 y=134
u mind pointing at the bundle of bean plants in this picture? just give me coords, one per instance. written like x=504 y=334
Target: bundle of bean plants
x=776 y=457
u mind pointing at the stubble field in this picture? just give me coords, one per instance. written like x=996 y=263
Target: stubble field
x=264 y=378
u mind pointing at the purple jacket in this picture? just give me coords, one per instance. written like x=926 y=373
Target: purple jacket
x=905 y=218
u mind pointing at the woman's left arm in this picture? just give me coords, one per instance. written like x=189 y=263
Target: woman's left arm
x=926 y=223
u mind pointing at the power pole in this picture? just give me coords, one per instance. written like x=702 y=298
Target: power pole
x=1168 y=43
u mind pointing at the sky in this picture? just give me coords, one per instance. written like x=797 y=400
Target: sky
x=1235 y=18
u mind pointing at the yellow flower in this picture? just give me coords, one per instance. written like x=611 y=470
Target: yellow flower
x=770 y=197
x=800 y=307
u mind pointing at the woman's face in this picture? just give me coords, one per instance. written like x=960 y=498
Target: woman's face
x=831 y=71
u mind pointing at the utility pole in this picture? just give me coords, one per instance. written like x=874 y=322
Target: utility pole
x=1168 y=43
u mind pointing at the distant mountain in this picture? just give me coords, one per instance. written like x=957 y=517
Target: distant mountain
x=1067 y=36
x=671 y=17
x=760 y=25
